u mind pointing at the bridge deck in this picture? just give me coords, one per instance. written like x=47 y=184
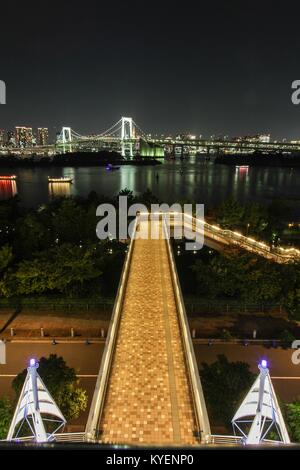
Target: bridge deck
x=148 y=399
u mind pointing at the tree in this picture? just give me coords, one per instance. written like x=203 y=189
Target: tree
x=255 y=218
x=290 y=279
x=206 y=279
x=262 y=283
x=292 y=415
x=65 y=269
x=129 y=194
x=148 y=198
x=31 y=236
x=6 y=414
x=278 y=212
x=230 y=214
x=6 y=257
x=70 y=222
x=33 y=277
x=248 y=278
x=225 y=384
x=73 y=267
x=9 y=211
x=61 y=382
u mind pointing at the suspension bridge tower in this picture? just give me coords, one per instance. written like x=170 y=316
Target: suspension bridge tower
x=127 y=136
x=66 y=135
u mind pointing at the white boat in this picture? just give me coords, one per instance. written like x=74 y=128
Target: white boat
x=242 y=167
x=59 y=180
x=8 y=177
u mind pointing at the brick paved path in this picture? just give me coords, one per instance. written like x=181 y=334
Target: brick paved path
x=148 y=399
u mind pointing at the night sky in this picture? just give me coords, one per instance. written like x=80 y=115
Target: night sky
x=218 y=67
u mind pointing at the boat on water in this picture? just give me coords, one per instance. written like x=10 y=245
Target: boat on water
x=111 y=167
x=60 y=180
x=242 y=167
x=8 y=177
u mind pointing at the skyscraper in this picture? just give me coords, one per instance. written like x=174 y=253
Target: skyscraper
x=43 y=135
x=24 y=136
x=10 y=139
x=2 y=137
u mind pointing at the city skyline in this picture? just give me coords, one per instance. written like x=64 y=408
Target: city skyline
x=209 y=70
x=40 y=135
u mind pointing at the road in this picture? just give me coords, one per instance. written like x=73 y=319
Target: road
x=285 y=375
x=86 y=361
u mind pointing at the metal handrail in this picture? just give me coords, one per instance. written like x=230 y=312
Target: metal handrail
x=106 y=362
x=60 y=437
x=191 y=363
x=226 y=440
x=280 y=255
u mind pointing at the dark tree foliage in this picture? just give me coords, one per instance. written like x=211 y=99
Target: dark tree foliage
x=292 y=418
x=241 y=276
x=6 y=414
x=225 y=384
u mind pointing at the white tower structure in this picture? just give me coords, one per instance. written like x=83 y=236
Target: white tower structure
x=35 y=401
x=259 y=412
x=127 y=128
x=127 y=133
x=66 y=135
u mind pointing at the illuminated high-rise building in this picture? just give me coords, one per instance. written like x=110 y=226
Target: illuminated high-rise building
x=264 y=138
x=2 y=137
x=24 y=136
x=43 y=135
x=10 y=139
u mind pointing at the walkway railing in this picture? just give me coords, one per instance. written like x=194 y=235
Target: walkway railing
x=215 y=439
x=60 y=437
x=190 y=359
x=225 y=236
x=220 y=439
x=106 y=362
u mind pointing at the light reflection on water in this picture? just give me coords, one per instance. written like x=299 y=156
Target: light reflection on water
x=8 y=189
x=59 y=189
x=173 y=181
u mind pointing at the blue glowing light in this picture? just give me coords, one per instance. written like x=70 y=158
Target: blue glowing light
x=32 y=362
x=264 y=364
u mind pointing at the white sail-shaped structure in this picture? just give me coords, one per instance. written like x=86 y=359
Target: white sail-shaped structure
x=259 y=413
x=35 y=407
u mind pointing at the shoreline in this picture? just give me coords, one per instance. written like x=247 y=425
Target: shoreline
x=77 y=159
x=261 y=160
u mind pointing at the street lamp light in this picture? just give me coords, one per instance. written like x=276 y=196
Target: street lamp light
x=264 y=364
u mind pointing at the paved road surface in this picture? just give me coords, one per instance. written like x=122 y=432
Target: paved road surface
x=285 y=375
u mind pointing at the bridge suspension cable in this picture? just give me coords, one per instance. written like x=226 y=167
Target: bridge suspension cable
x=75 y=134
x=142 y=133
x=108 y=131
